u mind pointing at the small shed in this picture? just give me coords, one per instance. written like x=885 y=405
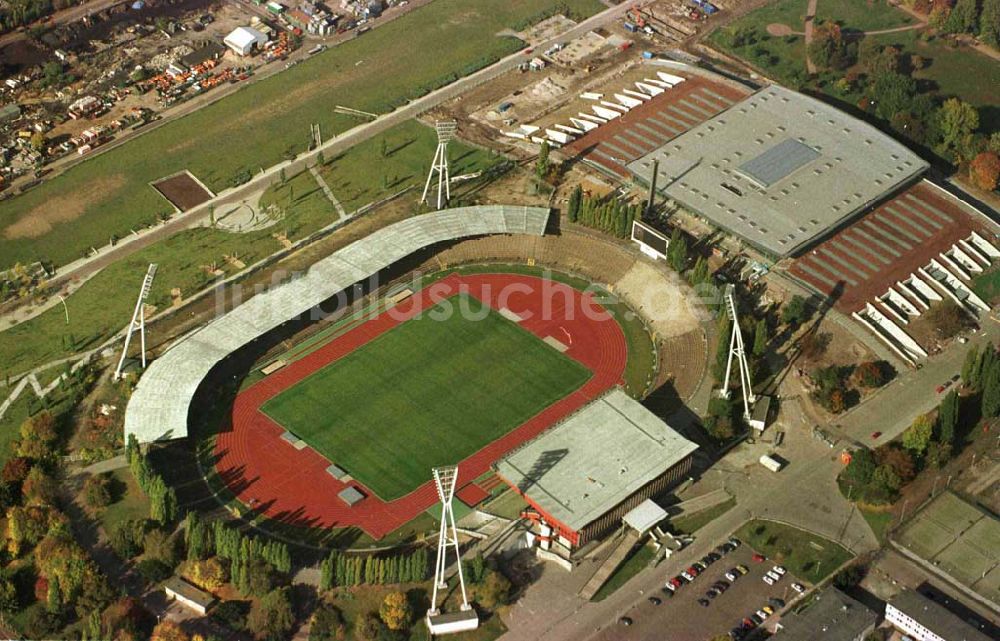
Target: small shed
x=243 y=40
x=180 y=590
x=645 y=516
x=758 y=417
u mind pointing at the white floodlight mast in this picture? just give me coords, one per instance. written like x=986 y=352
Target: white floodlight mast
x=138 y=321
x=737 y=351
x=445 y=479
x=445 y=132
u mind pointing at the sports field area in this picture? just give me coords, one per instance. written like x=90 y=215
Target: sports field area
x=102 y=305
x=957 y=538
x=266 y=121
x=429 y=392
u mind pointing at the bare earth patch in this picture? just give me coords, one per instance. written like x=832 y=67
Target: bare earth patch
x=182 y=190
x=662 y=298
x=62 y=209
x=779 y=30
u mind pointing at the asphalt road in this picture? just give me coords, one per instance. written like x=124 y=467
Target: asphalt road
x=330 y=148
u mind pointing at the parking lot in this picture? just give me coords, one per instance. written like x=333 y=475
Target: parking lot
x=682 y=618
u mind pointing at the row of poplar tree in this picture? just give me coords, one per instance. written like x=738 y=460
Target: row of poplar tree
x=609 y=216
x=162 y=497
x=225 y=541
x=343 y=570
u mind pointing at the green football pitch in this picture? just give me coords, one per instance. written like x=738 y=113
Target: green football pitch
x=426 y=393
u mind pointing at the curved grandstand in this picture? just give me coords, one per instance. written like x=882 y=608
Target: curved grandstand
x=158 y=409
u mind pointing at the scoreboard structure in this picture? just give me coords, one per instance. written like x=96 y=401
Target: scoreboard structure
x=651 y=242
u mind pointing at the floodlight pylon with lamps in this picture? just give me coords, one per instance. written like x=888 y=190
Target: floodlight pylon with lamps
x=138 y=321
x=445 y=132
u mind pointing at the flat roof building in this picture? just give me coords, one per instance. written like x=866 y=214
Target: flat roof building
x=192 y=597
x=779 y=169
x=586 y=473
x=924 y=619
x=832 y=616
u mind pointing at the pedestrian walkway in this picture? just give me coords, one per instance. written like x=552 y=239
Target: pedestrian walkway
x=328 y=191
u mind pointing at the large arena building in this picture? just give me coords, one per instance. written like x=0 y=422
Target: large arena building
x=586 y=473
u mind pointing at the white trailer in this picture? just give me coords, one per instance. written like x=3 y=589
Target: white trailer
x=771 y=463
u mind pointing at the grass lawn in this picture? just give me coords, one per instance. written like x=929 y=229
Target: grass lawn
x=401 y=60
x=859 y=15
x=641 y=358
x=693 y=522
x=629 y=568
x=879 y=521
x=987 y=285
x=103 y=305
x=131 y=503
x=446 y=388
x=508 y=505
x=806 y=555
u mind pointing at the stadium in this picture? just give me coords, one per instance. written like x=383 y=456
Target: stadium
x=441 y=341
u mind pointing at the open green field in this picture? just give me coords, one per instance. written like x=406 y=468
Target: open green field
x=440 y=390
x=104 y=304
x=806 y=555
x=950 y=70
x=263 y=123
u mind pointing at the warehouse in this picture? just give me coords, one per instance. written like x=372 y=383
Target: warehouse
x=830 y=616
x=243 y=40
x=779 y=169
x=587 y=472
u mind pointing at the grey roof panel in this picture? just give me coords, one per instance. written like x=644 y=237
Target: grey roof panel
x=778 y=162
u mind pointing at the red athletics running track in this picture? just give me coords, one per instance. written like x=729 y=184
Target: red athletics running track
x=271 y=476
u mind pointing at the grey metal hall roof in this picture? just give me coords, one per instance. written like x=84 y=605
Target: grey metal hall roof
x=583 y=467
x=779 y=169
x=158 y=409
x=832 y=616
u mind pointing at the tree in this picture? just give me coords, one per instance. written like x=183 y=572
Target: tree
x=677 y=251
x=327 y=624
x=9 y=602
x=573 y=206
x=991 y=387
x=97 y=491
x=167 y=630
x=984 y=170
x=38 y=141
x=259 y=577
x=872 y=374
x=956 y=120
x=828 y=49
x=970 y=373
x=15 y=470
x=159 y=545
x=38 y=433
x=861 y=467
x=126 y=616
x=396 y=611
x=989 y=23
x=39 y=488
x=891 y=92
x=899 y=460
x=947 y=419
x=917 y=437
x=271 y=616
x=876 y=59
x=760 y=338
x=542 y=162
x=127 y=537
x=885 y=477
x=368 y=627
x=962 y=18
x=849 y=577
x=495 y=591
x=208 y=574
x=795 y=311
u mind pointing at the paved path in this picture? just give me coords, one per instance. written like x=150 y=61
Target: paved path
x=328 y=191
x=810 y=21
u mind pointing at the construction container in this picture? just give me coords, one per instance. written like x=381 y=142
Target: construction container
x=648 y=55
x=631 y=28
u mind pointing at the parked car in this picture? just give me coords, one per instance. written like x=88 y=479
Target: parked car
x=735 y=542
x=704 y=602
x=774 y=575
x=779 y=570
x=776 y=602
x=698 y=565
x=756 y=619
x=687 y=576
x=668 y=591
x=798 y=587
x=758 y=558
x=677 y=581
x=626 y=621
x=768 y=580
x=732 y=575
x=875 y=435
x=655 y=600
x=768 y=609
x=669 y=587
x=742 y=569
x=763 y=615
x=712 y=593
x=694 y=570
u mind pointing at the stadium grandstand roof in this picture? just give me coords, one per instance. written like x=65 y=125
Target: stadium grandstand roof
x=158 y=409
x=592 y=461
x=779 y=169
